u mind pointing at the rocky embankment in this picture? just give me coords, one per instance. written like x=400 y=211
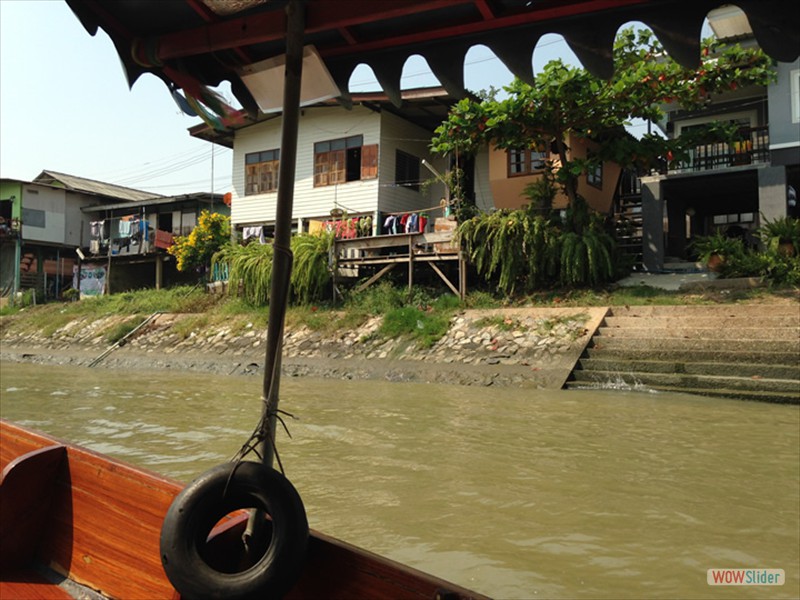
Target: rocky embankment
x=535 y=347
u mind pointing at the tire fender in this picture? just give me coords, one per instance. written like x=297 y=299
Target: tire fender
x=199 y=507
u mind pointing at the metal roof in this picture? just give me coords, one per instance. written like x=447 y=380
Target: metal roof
x=198 y=197
x=195 y=43
x=426 y=107
x=90 y=186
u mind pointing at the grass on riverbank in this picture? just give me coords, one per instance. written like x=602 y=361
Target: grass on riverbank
x=423 y=317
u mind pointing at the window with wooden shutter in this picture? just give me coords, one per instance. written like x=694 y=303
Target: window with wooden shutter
x=338 y=164
x=261 y=172
x=369 y=161
x=341 y=160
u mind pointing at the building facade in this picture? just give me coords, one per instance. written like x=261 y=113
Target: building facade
x=371 y=161
x=727 y=187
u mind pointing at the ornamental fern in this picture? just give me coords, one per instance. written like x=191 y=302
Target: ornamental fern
x=524 y=250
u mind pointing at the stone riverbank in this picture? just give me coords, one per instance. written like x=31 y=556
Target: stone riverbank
x=533 y=347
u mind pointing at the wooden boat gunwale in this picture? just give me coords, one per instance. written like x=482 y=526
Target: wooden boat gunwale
x=101 y=530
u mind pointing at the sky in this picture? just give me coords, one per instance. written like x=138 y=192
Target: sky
x=65 y=106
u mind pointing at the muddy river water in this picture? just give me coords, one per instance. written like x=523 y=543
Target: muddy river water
x=513 y=493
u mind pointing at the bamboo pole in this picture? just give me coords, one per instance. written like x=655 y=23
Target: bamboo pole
x=282 y=256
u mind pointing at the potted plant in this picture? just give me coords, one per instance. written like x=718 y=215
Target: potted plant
x=717 y=249
x=781 y=235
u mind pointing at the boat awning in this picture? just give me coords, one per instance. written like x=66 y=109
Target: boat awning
x=191 y=43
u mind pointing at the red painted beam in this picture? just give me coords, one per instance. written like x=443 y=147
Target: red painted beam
x=210 y=16
x=556 y=12
x=271 y=25
x=485 y=10
x=347 y=35
x=201 y=9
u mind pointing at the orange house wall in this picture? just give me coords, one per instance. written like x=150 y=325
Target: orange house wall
x=508 y=192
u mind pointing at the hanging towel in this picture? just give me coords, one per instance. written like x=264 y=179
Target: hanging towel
x=412 y=224
x=403 y=221
x=256 y=232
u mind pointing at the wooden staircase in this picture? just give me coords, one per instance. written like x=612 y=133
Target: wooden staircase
x=750 y=352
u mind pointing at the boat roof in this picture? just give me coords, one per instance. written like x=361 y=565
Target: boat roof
x=206 y=42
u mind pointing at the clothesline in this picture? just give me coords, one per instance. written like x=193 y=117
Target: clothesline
x=442 y=205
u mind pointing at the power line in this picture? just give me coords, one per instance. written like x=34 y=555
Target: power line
x=159 y=166
x=129 y=170
x=166 y=169
x=193 y=183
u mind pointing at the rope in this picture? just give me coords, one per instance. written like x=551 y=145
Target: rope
x=261 y=434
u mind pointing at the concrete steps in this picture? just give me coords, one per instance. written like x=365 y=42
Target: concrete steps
x=726 y=332
x=750 y=352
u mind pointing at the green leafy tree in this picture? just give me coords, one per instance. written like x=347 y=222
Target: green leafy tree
x=566 y=101
x=529 y=248
x=195 y=250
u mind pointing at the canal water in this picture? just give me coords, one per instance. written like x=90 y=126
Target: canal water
x=513 y=493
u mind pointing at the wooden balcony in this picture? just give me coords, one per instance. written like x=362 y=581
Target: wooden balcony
x=380 y=254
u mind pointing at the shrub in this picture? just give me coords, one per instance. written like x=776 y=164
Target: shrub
x=378 y=299
x=783 y=231
x=525 y=251
x=774 y=264
x=727 y=248
x=480 y=299
x=120 y=330
x=311 y=272
x=424 y=327
x=249 y=271
x=195 y=250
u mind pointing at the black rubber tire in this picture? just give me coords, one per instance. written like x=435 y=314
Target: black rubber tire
x=208 y=498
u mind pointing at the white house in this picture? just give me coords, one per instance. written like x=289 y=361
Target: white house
x=367 y=161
